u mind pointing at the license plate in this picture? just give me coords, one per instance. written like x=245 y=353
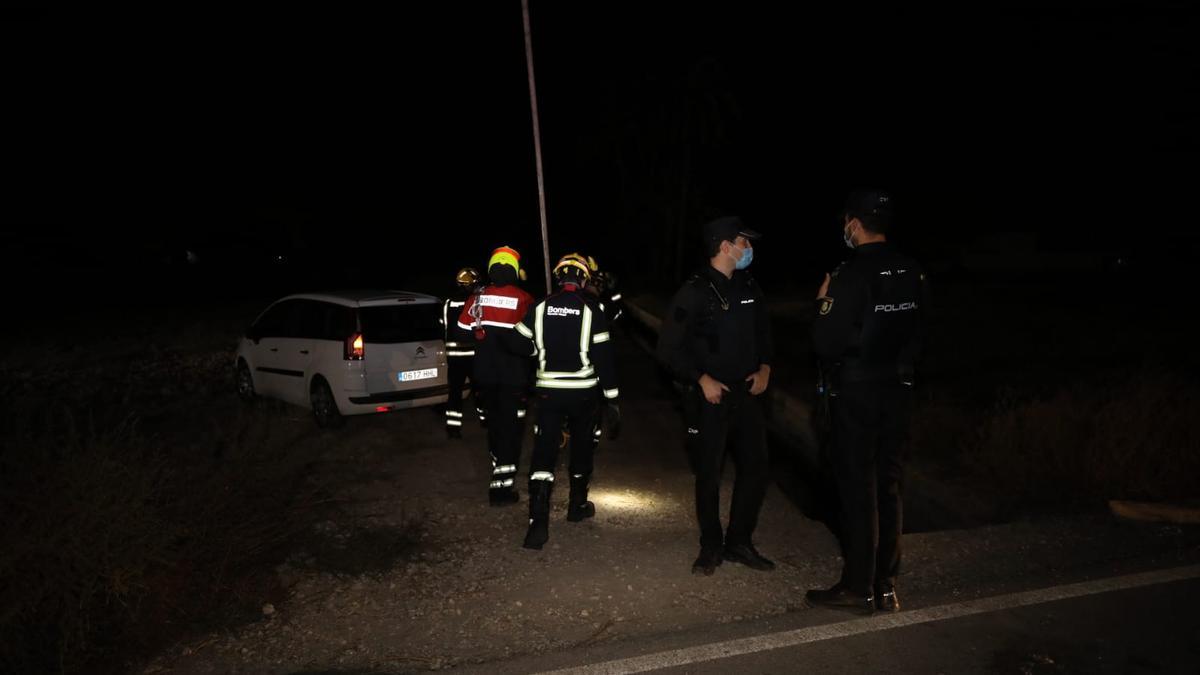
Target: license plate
x=410 y=375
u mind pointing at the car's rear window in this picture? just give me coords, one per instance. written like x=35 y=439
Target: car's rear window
x=402 y=323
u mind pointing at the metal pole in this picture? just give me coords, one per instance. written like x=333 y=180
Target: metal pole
x=537 y=140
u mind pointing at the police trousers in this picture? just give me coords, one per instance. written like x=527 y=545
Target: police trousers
x=870 y=430
x=737 y=424
x=577 y=409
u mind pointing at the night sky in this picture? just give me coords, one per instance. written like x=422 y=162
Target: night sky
x=401 y=141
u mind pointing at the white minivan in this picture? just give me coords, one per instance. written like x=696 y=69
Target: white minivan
x=346 y=353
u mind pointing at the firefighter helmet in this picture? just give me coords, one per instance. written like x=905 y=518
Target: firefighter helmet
x=572 y=268
x=506 y=255
x=467 y=277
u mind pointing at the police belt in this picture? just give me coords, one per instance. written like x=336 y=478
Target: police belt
x=853 y=371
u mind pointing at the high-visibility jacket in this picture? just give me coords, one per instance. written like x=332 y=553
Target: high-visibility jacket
x=568 y=335
x=488 y=315
x=459 y=342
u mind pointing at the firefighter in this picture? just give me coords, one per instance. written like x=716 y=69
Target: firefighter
x=502 y=376
x=460 y=350
x=568 y=335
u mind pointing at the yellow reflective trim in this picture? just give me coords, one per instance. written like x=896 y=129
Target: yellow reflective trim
x=569 y=384
x=600 y=337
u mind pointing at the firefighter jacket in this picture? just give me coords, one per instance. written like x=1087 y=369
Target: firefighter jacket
x=459 y=342
x=568 y=335
x=488 y=315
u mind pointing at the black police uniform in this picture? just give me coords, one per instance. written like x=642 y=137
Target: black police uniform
x=868 y=334
x=568 y=335
x=460 y=354
x=719 y=327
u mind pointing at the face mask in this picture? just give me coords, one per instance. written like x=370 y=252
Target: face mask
x=847 y=236
x=745 y=259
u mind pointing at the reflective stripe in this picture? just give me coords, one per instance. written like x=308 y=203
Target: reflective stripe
x=524 y=330
x=558 y=375
x=521 y=414
x=453 y=413
x=611 y=393
x=585 y=336
x=539 y=342
x=505 y=468
x=542 y=475
x=597 y=433
x=453 y=423
x=455 y=303
x=537 y=431
x=569 y=384
x=460 y=353
x=507 y=482
x=600 y=337
x=576 y=475
x=465 y=326
x=615 y=297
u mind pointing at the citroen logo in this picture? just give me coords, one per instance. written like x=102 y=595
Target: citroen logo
x=420 y=352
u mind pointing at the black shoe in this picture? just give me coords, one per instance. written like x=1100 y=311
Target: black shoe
x=503 y=496
x=886 y=599
x=538 y=533
x=453 y=432
x=746 y=555
x=578 y=506
x=539 y=514
x=840 y=598
x=577 y=512
x=707 y=562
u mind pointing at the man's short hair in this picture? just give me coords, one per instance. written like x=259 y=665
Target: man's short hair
x=873 y=208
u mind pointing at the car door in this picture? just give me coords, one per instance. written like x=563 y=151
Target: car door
x=276 y=353
x=301 y=329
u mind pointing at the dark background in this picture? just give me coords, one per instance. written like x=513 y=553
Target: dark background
x=289 y=153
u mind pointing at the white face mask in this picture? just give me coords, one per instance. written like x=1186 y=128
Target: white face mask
x=848 y=237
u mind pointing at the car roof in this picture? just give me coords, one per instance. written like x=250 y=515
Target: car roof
x=366 y=297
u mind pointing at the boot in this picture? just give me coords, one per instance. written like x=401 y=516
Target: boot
x=578 y=506
x=539 y=514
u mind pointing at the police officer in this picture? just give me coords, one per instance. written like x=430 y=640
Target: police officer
x=716 y=340
x=460 y=349
x=867 y=334
x=568 y=336
x=503 y=376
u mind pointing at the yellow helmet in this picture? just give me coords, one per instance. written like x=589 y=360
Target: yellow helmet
x=467 y=277
x=572 y=265
x=506 y=255
x=585 y=259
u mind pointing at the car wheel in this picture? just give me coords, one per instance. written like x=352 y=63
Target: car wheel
x=244 y=381
x=324 y=406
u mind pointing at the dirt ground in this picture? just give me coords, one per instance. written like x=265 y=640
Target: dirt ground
x=468 y=592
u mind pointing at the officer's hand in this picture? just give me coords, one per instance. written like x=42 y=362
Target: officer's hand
x=713 y=390
x=824 y=290
x=758 y=380
x=612 y=420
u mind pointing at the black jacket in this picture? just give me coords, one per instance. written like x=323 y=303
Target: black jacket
x=870 y=325
x=716 y=326
x=459 y=342
x=568 y=335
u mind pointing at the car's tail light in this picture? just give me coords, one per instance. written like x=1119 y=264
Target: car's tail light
x=354 y=347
